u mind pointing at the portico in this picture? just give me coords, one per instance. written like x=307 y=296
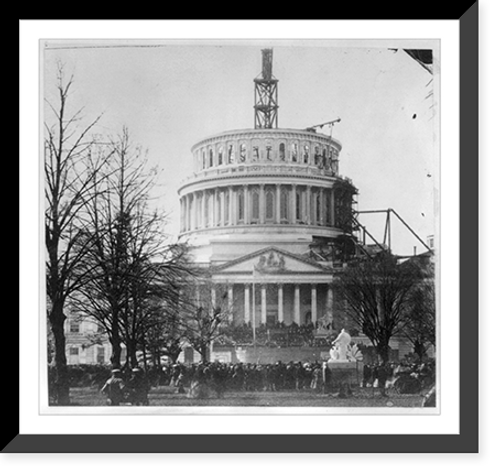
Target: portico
x=274 y=287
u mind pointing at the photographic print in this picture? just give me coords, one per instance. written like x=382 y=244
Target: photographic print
x=248 y=225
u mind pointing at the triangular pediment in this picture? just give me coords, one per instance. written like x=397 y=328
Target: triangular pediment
x=269 y=261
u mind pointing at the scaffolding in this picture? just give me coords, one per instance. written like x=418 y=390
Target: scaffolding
x=266 y=94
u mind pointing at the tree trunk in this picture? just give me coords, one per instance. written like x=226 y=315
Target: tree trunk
x=61 y=382
x=383 y=352
x=116 y=349
x=204 y=352
x=144 y=356
x=419 y=349
x=132 y=353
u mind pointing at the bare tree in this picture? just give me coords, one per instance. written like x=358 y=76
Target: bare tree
x=204 y=317
x=131 y=265
x=421 y=326
x=378 y=291
x=72 y=160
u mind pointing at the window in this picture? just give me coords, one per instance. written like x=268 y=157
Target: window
x=100 y=355
x=241 y=206
x=230 y=154
x=203 y=160
x=282 y=152
x=269 y=152
x=335 y=167
x=243 y=152
x=312 y=213
x=317 y=156
x=220 y=156
x=306 y=154
x=73 y=351
x=328 y=208
x=210 y=158
x=298 y=205
x=74 y=327
x=255 y=154
x=293 y=152
x=255 y=206
x=329 y=161
x=318 y=208
x=269 y=205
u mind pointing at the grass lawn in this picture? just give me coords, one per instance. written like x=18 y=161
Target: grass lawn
x=167 y=396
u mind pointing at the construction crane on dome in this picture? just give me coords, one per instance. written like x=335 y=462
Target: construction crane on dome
x=320 y=126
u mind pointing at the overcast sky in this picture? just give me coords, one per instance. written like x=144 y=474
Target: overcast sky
x=171 y=94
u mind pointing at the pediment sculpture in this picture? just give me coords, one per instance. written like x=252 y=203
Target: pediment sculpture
x=270 y=263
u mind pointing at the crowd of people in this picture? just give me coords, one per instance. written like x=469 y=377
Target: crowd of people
x=201 y=380
x=276 y=334
x=121 y=388
x=404 y=376
x=222 y=377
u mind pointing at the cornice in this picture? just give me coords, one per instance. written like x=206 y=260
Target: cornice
x=243 y=178
x=266 y=134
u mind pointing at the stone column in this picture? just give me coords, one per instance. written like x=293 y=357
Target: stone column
x=263 y=304
x=182 y=214
x=230 y=303
x=223 y=207
x=278 y=204
x=231 y=206
x=296 y=306
x=308 y=205
x=262 y=207
x=203 y=209
x=293 y=210
x=216 y=209
x=189 y=213
x=321 y=208
x=247 y=303
x=329 y=300
x=247 y=204
x=314 y=304
x=195 y=211
x=280 y=303
x=332 y=194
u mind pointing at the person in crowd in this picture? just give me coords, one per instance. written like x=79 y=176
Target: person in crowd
x=138 y=388
x=219 y=379
x=382 y=375
x=317 y=378
x=114 y=388
x=367 y=375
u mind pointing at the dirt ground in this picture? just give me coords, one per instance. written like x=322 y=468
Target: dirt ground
x=167 y=396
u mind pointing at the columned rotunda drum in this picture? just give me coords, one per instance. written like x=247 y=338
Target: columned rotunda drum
x=258 y=201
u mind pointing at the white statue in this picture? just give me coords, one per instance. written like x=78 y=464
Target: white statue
x=340 y=346
x=334 y=354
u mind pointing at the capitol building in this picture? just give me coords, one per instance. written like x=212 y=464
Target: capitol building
x=260 y=212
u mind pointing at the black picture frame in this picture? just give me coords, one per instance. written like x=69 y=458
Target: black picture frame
x=464 y=442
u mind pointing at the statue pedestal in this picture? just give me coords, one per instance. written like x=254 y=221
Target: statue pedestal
x=340 y=376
